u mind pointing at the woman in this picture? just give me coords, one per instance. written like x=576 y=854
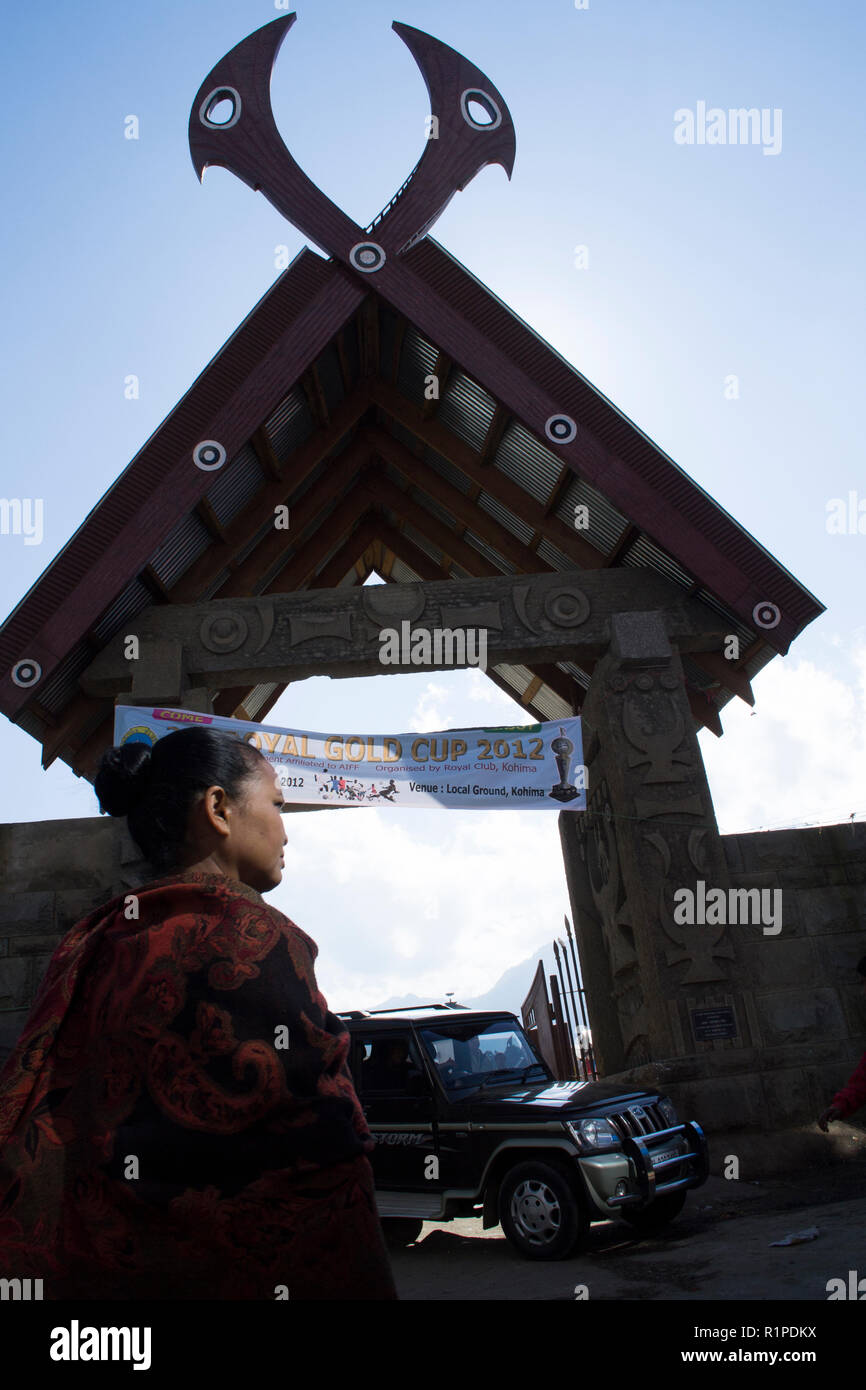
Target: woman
x=177 y=1120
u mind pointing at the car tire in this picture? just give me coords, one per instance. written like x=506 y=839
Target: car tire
x=401 y=1230
x=541 y=1210
x=658 y=1214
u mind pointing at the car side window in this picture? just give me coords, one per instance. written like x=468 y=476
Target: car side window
x=388 y=1064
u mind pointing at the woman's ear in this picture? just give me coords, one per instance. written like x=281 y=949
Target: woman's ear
x=216 y=810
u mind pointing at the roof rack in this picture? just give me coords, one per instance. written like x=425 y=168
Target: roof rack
x=409 y=1008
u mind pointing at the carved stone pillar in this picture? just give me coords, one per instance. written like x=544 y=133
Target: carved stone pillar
x=657 y=989
x=159 y=677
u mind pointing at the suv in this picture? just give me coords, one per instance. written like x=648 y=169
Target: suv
x=469 y=1121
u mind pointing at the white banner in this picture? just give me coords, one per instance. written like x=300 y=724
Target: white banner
x=521 y=766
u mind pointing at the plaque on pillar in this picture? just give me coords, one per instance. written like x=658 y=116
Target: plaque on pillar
x=714 y=1024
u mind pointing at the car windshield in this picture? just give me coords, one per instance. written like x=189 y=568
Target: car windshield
x=475 y=1054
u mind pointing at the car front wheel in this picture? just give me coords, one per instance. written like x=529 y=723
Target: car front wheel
x=540 y=1211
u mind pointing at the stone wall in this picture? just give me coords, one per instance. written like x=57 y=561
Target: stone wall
x=52 y=873
x=807 y=1004
x=805 y=1007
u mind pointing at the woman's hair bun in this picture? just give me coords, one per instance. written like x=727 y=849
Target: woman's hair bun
x=124 y=772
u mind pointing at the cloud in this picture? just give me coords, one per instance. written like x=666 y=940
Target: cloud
x=421 y=902
x=802 y=757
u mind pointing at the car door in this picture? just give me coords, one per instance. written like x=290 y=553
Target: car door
x=398 y=1103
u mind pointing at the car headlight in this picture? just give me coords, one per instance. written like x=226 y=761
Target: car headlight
x=668 y=1109
x=594 y=1134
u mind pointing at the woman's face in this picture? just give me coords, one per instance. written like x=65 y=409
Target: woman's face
x=257 y=831
x=241 y=837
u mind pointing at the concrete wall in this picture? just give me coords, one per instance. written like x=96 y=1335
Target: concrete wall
x=806 y=1008
x=52 y=873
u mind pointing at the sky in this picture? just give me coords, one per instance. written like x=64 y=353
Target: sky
x=713 y=291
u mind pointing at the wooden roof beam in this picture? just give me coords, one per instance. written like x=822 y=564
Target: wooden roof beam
x=403 y=505
x=349 y=556
x=151 y=579
x=299 y=568
x=403 y=549
x=705 y=711
x=241 y=530
x=493 y=437
x=630 y=533
x=726 y=673
x=566 y=477
x=474 y=518
x=441 y=372
x=260 y=443
x=312 y=388
x=346 y=467
x=434 y=434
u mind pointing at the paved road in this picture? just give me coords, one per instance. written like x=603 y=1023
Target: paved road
x=719 y=1248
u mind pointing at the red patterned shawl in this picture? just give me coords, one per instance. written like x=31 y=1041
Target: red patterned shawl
x=178 y=1110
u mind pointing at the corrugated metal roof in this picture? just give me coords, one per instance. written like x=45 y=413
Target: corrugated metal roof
x=736 y=626
x=258 y=696
x=235 y=485
x=572 y=669
x=644 y=554
x=181 y=548
x=489 y=553
x=695 y=674
x=290 y=424
x=62 y=684
x=447 y=470
x=527 y=462
x=551 y=705
x=553 y=556
x=133 y=599
x=465 y=408
x=606 y=524
x=422 y=543
x=435 y=508
x=417 y=361
x=518 y=676
x=402 y=574
x=506 y=518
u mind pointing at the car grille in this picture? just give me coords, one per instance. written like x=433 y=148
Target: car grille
x=638 y=1120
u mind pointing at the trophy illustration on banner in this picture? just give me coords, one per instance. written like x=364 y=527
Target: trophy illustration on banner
x=563 y=748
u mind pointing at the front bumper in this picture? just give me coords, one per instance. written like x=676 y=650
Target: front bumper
x=650 y=1166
